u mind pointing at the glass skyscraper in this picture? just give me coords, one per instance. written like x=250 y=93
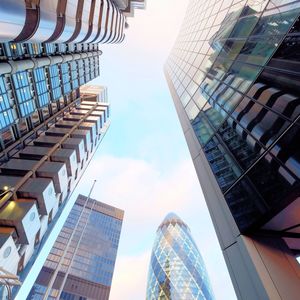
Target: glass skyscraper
x=177 y=270
x=81 y=263
x=234 y=76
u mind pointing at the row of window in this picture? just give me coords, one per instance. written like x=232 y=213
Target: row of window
x=238 y=81
x=19 y=50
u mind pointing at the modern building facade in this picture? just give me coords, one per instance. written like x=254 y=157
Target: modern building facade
x=49 y=131
x=39 y=171
x=234 y=76
x=177 y=270
x=81 y=263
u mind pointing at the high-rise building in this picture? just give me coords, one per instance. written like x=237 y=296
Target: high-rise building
x=81 y=263
x=177 y=270
x=48 y=130
x=39 y=171
x=234 y=76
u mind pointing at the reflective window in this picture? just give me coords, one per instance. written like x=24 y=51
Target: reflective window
x=65 y=75
x=176 y=269
x=34 y=49
x=49 y=48
x=7 y=111
x=24 y=93
x=87 y=69
x=42 y=90
x=14 y=50
x=55 y=82
x=74 y=75
x=202 y=129
x=221 y=163
x=81 y=72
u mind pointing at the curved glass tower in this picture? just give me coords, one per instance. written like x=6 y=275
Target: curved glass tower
x=176 y=270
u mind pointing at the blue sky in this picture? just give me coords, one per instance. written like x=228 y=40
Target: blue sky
x=143 y=165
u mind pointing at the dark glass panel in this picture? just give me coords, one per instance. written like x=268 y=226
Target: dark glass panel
x=274 y=182
x=238 y=146
x=287 y=150
x=245 y=204
x=222 y=165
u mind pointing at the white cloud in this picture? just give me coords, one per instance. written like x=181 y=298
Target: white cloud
x=130 y=277
x=147 y=195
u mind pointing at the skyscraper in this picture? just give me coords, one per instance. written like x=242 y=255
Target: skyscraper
x=177 y=270
x=38 y=173
x=48 y=130
x=234 y=77
x=81 y=263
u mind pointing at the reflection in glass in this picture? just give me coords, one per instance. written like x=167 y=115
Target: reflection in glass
x=177 y=270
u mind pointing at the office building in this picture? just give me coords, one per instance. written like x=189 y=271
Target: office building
x=177 y=270
x=48 y=130
x=234 y=76
x=81 y=263
x=39 y=171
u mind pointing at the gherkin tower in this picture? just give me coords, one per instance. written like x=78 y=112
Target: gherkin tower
x=176 y=270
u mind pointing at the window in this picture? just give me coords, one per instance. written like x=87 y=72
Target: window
x=65 y=75
x=24 y=93
x=55 y=82
x=74 y=75
x=7 y=112
x=42 y=90
x=87 y=69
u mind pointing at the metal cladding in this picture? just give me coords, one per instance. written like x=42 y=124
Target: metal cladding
x=234 y=77
x=38 y=173
x=61 y=21
x=177 y=270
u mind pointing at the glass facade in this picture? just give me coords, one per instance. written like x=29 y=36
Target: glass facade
x=235 y=69
x=83 y=254
x=177 y=270
x=38 y=82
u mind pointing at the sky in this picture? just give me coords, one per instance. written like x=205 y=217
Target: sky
x=143 y=165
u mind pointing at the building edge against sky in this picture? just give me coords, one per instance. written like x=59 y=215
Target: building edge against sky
x=49 y=131
x=234 y=77
x=176 y=270
x=83 y=257
x=58 y=156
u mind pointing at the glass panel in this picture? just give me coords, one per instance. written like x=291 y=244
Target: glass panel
x=274 y=182
x=277 y=21
x=259 y=50
x=53 y=75
x=288 y=152
x=7 y=111
x=222 y=165
x=192 y=110
x=245 y=73
x=42 y=90
x=202 y=129
x=246 y=205
x=238 y=146
x=24 y=93
x=65 y=75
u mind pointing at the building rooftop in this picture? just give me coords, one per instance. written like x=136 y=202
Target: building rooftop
x=171 y=218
